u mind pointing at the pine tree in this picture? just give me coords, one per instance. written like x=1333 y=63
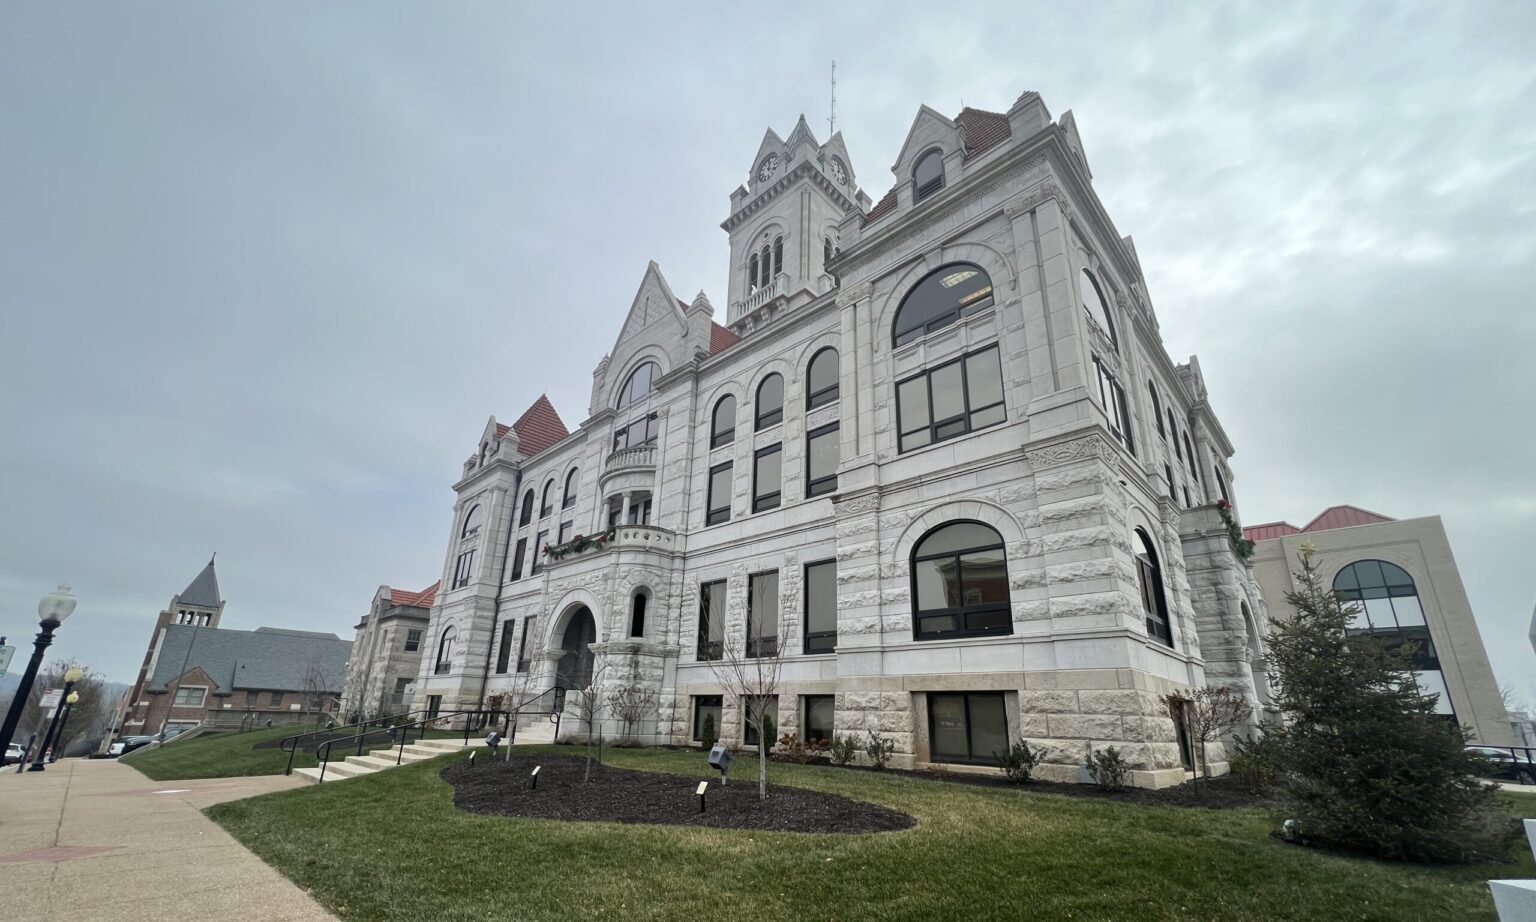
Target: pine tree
x=1364 y=762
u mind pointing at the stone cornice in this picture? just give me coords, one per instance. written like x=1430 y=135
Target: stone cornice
x=804 y=168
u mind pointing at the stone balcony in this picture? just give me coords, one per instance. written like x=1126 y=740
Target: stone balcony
x=759 y=298
x=620 y=538
x=639 y=460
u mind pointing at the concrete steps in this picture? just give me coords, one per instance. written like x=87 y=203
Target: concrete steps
x=384 y=759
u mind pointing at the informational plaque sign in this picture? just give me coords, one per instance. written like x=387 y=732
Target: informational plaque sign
x=51 y=698
x=5 y=658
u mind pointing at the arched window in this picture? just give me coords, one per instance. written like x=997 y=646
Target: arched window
x=766 y=258
x=770 y=401
x=928 y=175
x=637 y=615
x=547 y=505
x=1095 y=305
x=960 y=583
x=1189 y=452
x=1221 y=484
x=527 y=511
x=641 y=381
x=826 y=250
x=939 y=299
x=472 y=522
x=569 y=497
x=752 y=274
x=822 y=379
x=1173 y=430
x=1157 y=410
x=1386 y=594
x=778 y=255
x=722 y=424
x=1149 y=578
x=444 y=661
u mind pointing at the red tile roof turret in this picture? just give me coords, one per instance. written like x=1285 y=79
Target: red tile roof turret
x=539 y=427
x=422 y=599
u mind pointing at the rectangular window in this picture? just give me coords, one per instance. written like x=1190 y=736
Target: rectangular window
x=755 y=710
x=1433 y=683
x=277 y=699
x=434 y=706
x=711 y=620
x=413 y=641
x=1116 y=410
x=539 y=543
x=763 y=614
x=819 y=710
x=189 y=697
x=251 y=699
x=640 y=432
x=504 y=651
x=523 y=661
x=463 y=569
x=706 y=707
x=821 y=460
x=718 y=508
x=1172 y=487
x=566 y=530
x=821 y=607
x=967 y=727
x=398 y=699
x=951 y=399
x=767 y=477
x=518 y=554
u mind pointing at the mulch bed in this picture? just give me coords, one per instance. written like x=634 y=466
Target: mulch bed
x=620 y=795
x=1220 y=793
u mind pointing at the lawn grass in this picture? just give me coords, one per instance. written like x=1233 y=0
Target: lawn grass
x=392 y=846
x=231 y=755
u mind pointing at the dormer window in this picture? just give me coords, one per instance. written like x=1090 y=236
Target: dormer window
x=928 y=176
x=640 y=384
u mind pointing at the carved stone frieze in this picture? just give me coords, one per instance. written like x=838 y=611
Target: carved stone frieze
x=1079 y=449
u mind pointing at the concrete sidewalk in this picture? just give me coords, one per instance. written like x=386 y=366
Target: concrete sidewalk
x=92 y=839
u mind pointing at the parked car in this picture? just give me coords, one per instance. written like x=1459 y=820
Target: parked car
x=13 y=754
x=1505 y=764
x=127 y=744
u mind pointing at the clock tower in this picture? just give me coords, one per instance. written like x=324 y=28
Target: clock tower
x=783 y=225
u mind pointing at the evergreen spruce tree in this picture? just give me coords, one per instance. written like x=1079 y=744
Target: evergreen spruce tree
x=1364 y=762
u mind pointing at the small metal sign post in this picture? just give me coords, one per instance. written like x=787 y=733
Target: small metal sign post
x=533 y=779
x=720 y=758
x=703 y=786
x=5 y=656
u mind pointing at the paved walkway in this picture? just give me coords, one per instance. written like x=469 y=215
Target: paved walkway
x=94 y=840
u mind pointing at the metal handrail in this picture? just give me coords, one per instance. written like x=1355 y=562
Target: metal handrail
x=473 y=720
x=557 y=700
x=290 y=743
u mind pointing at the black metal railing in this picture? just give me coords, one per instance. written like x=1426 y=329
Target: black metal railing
x=400 y=733
x=1522 y=760
x=290 y=744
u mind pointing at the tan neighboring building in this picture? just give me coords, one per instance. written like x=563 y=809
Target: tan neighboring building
x=1405 y=578
x=387 y=652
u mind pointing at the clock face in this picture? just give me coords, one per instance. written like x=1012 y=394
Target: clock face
x=769 y=167
x=839 y=172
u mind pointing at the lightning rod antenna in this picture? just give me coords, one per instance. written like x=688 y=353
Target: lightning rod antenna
x=832 y=112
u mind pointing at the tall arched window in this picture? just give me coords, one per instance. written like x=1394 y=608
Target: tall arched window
x=821 y=378
x=546 y=506
x=1095 y=305
x=637 y=614
x=1157 y=410
x=640 y=383
x=770 y=401
x=1149 y=579
x=568 y=498
x=1221 y=484
x=928 y=175
x=778 y=255
x=722 y=423
x=472 y=522
x=765 y=256
x=1189 y=452
x=1386 y=603
x=752 y=274
x=444 y=661
x=939 y=299
x=826 y=250
x=960 y=583
x=527 y=511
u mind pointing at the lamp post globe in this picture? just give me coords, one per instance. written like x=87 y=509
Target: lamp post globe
x=52 y=611
x=69 y=708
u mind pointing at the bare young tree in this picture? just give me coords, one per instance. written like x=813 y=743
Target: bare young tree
x=521 y=685
x=315 y=683
x=750 y=669
x=591 y=701
x=632 y=701
x=1209 y=714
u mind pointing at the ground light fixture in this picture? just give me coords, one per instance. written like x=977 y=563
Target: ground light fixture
x=70 y=678
x=52 y=611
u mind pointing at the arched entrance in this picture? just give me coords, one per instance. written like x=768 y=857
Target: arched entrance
x=575 y=668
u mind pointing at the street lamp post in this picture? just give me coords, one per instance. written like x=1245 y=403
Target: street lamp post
x=69 y=708
x=52 y=610
x=70 y=678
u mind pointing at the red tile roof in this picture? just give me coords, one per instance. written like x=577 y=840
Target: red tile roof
x=720 y=338
x=422 y=599
x=1345 y=516
x=539 y=427
x=886 y=204
x=502 y=429
x=982 y=130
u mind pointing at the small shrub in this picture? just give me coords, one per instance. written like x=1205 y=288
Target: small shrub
x=842 y=749
x=1253 y=764
x=791 y=749
x=709 y=735
x=1108 y=768
x=879 y=750
x=1019 y=762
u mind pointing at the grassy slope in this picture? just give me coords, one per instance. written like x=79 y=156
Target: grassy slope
x=392 y=846
x=225 y=755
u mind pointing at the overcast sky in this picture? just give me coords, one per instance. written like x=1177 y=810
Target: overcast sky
x=265 y=271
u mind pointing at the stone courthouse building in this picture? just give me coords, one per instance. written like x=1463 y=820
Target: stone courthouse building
x=934 y=455
x=386 y=652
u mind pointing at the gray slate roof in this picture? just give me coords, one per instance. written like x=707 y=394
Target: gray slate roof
x=203 y=591
x=266 y=658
